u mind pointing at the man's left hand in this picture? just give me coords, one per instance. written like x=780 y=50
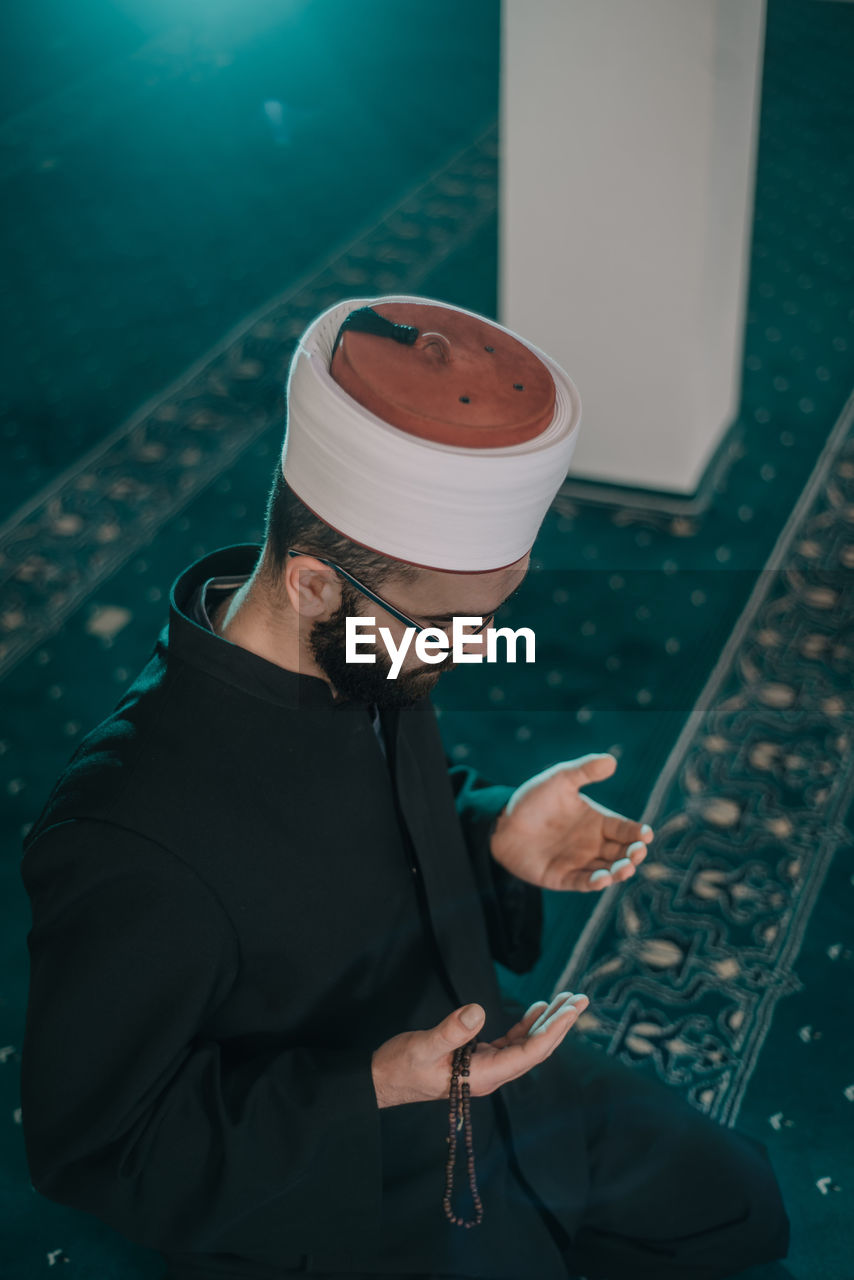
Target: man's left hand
x=551 y=835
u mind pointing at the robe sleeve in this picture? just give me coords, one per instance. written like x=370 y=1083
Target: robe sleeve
x=513 y=907
x=130 y=1111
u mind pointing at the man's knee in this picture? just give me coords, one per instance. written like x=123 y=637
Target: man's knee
x=767 y=1229
x=694 y=1197
x=668 y=1184
x=748 y=1223
x=713 y=1238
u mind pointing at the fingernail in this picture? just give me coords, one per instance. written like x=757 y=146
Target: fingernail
x=470 y=1016
x=599 y=875
x=550 y=1022
x=646 y=829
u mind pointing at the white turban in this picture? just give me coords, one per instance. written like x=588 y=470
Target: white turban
x=429 y=502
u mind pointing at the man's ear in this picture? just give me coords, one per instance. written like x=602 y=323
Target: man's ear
x=309 y=595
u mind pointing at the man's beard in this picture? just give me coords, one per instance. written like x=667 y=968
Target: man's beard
x=367 y=682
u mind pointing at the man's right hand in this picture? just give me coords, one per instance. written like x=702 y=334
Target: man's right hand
x=416 y=1065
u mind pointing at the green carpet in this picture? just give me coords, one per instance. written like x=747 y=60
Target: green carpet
x=151 y=204
x=712 y=652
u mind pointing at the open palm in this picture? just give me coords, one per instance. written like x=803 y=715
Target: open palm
x=553 y=836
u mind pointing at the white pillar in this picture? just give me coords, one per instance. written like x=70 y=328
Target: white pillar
x=628 y=149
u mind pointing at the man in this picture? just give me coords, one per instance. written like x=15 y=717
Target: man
x=264 y=905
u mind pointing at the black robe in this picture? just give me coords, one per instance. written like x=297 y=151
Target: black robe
x=235 y=900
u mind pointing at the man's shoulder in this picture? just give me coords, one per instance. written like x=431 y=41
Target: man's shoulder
x=91 y=783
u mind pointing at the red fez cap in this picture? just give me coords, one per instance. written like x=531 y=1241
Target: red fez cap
x=443 y=374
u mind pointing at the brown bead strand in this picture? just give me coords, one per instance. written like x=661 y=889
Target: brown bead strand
x=460 y=1065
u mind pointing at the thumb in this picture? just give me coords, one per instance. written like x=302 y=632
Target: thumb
x=594 y=767
x=459 y=1027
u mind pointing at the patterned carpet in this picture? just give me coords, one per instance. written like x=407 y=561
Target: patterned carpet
x=709 y=647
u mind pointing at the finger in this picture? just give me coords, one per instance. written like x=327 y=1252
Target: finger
x=522 y=1055
x=624 y=830
x=521 y=1027
x=583 y=881
x=562 y=1019
x=562 y=1000
x=608 y=852
x=565 y=1027
x=623 y=869
x=537 y=1011
x=596 y=875
x=637 y=852
x=594 y=767
x=611 y=853
x=559 y=1001
x=449 y=1035
x=489 y=1073
x=531 y=1014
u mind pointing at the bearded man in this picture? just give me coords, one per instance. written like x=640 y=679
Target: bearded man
x=267 y=908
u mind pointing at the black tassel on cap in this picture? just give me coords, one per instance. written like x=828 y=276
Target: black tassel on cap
x=366 y=320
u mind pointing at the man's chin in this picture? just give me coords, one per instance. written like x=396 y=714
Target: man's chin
x=402 y=693
x=407 y=688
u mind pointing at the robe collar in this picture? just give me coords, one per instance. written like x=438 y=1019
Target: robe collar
x=192 y=643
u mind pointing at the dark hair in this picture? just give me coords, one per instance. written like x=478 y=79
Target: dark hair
x=290 y=523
